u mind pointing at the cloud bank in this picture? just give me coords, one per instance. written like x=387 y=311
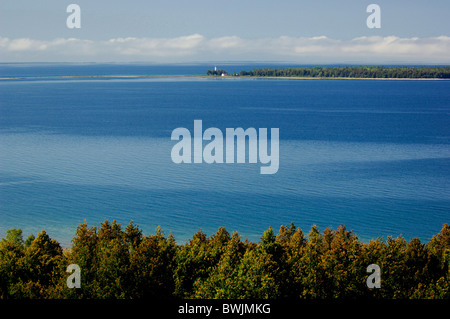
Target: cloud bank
x=195 y=47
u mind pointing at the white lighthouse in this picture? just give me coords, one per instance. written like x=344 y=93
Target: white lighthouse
x=215 y=68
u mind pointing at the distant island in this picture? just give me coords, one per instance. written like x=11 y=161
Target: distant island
x=358 y=72
x=315 y=72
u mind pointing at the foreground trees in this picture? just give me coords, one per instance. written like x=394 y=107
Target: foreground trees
x=124 y=263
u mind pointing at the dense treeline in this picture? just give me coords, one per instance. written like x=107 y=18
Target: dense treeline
x=124 y=263
x=355 y=72
x=218 y=72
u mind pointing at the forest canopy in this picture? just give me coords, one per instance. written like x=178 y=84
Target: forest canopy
x=117 y=262
x=367 y=72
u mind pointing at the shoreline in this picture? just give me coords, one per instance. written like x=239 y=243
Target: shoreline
x=199 y=76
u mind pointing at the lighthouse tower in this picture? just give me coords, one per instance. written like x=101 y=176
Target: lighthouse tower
x=215 y=68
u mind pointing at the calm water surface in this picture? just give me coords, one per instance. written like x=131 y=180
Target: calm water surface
x=372 y=155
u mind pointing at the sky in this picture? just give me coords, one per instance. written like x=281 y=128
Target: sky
x=160 y=31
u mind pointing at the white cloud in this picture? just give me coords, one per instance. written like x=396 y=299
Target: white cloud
x=20 y=45
x=148 y=47
x=195 y=47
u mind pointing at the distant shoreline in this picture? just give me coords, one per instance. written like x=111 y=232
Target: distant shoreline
x=209 y=77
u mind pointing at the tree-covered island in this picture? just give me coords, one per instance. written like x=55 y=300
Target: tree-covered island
x=337 y=72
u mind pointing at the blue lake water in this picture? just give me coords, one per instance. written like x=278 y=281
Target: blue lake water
x=371 y=155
